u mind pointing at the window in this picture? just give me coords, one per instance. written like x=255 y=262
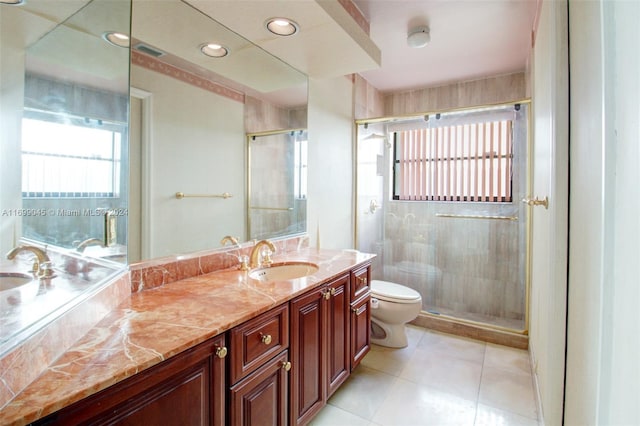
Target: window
x=76 y=158
x=462 y=162
x=300 y=165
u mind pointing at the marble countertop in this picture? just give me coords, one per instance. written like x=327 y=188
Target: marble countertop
x=153 y=325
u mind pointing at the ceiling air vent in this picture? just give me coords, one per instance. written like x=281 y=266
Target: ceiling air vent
x=148 y=50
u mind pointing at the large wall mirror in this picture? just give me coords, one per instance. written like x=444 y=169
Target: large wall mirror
x=190 y=116
x=64 y=124
x=70 y=150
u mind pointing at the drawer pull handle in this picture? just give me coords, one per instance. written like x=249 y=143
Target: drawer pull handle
x=333 y=291
x=265 y=338
x=286 y=365
x=363 y=280
x=221 y=352
x=360 y=310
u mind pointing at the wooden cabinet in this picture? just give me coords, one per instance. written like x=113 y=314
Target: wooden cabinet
x=319 y=347
x=261 y=398
x=259 y=367
x=186 y=389
x=320 y=336
x=360 y=329
x=257 y=341
x=338 y=334
x=360 y=314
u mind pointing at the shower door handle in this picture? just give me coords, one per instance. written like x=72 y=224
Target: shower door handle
x=537 y=202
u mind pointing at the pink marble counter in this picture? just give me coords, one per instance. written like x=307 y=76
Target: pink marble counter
x=156 y=324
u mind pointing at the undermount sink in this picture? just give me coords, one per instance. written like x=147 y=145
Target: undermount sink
x=10 y=280
x=284 y=271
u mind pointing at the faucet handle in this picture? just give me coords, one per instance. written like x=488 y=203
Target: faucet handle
x=46 y=270
x=244 y=262
x=266 y=257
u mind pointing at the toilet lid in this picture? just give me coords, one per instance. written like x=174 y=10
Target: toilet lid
x=391 y=291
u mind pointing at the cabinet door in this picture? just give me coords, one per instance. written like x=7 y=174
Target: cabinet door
x=186 y=389
x=261 y=398
x=338 y=330
x=308 y=384
x=360 y=329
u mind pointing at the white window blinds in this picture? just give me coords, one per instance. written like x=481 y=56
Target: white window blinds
x=468 y=162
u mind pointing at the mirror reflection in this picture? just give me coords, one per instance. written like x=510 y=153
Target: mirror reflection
x=277 y=184
x=104 y=172
x=190 y=114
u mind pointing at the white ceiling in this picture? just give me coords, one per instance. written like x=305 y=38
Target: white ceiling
x=470 y=39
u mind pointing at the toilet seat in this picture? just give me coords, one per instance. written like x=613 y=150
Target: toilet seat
x=392 y=292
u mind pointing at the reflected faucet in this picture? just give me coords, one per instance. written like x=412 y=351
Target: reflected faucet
x=42 y=265
x=90 y=242
x=261 y=258
x=230 y=239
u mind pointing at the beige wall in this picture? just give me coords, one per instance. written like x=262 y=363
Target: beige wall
x=487 y=91
x=330 y=185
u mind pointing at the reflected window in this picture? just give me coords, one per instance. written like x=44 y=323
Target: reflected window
x=70 y=157
x=300 y=166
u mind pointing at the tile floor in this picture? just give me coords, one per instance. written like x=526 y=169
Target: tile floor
x=438 y=379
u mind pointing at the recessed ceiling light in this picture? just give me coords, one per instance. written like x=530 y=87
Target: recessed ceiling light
x=13 y=2
x=282 y=26
x=116 y=38
x=214 y=50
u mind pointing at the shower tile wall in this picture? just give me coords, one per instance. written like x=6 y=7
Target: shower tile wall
x=470 y=268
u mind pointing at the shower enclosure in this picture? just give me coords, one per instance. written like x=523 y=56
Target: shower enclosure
x=439 y=202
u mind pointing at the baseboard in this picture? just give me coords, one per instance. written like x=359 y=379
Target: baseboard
x=471 y=330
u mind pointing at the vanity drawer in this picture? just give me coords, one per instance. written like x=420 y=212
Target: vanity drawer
x=258 y=340
x=360 y=282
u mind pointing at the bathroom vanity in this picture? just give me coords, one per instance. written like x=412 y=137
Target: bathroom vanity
x=219 y=348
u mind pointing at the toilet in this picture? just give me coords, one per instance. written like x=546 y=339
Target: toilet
x=392 y=306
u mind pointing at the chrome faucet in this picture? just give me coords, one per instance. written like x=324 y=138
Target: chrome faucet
x=262 y=258
x=90 y=242
x=42 y=265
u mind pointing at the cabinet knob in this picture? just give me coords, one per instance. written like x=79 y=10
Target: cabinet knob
x=286 y=365
x=221 y=352
x=363 y=280
x=333 y=291
x=265 y=338
x=326 y=295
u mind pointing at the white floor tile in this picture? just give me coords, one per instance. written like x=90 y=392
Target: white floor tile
x=508 y=391
x=437 y=379
x=411 y=404
x=448 y=374
x=363 y=392
x=334 y=416
x=489 y=416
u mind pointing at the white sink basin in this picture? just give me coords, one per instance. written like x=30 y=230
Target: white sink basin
x=10 y=280
x=284 y=271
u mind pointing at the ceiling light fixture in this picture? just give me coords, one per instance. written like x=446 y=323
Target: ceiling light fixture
x=418 y=37
x=214 y=50
x=116 y=38
x=282 y=26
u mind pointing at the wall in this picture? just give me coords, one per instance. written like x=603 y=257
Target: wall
x=197 y=147
x=487 y=91
x=603 y=376
x=330 y=184
x=11 y=105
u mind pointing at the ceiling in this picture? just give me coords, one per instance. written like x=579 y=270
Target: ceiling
x=470 y=39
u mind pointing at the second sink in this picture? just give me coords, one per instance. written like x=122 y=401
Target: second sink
x=284 y=271
x=9 y=280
